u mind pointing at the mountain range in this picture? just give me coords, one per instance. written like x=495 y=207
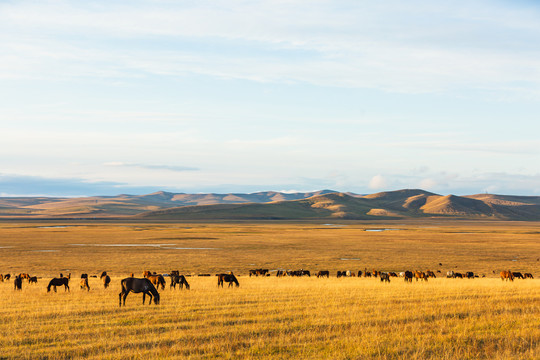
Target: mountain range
x=324 y=204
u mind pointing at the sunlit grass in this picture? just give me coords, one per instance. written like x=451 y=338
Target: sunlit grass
x=284 y=318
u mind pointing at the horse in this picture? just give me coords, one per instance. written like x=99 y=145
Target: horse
x=528 y=276
x=25 y=276
x=507 y=275
x=58 y=282
x=430 y=273
x=408 y=275
x=104 y=273
x=84 y=284
x=84 y=276
x=384 y=277
x=157 y=280
x=17 y=283
x=420 y=275
x=106 y=281
x=469 y=275
x=180 y=280
x=33 y=279
x=136 y=285
x=257 y=272
x=450 y=274
x=230 y=278
x=323 y=273
x=518 y=275
x=7 y=276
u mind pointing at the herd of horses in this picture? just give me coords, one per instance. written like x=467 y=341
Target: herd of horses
x=150 y=283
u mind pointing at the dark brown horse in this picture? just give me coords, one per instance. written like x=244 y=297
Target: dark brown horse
x=137 y=286
x=33 y=280
x=323 y=273
x=528 y=276
x=106 y=279
x=230 y=278
x=384 y=276
x=408 y=275
x=58 y=282
x=180 y=280
x=18 y=283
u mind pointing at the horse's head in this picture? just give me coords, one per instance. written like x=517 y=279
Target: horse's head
x=156 y=299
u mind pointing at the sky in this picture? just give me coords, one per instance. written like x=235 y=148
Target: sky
x=114 y=97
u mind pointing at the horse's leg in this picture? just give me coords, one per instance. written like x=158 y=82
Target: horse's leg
x=120 y=298
x=54 y=288
x=150 y=301
x=143 y=297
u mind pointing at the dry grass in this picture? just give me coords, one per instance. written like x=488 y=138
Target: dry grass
x=308 y=318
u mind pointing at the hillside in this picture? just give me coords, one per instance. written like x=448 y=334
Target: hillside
x=325 y=204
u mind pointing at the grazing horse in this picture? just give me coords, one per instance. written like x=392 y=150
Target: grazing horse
x=323 y=273
x=157 y=280
x=84 y=284
x=180 y=280
x=384 y=277
x=136 y=285
x=528 y=276
x=257 y=272
x=230 y=278
x=7 y=276
x=518 y=275
x=408 y=275
x=58 y=282
x=106 y=279
x=17 y=283
x=507 y=275
x=469 y=275
x=420 y=275
x=33 y=279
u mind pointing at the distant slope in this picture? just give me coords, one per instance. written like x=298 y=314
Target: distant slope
x=324 y=204
x=328 y=206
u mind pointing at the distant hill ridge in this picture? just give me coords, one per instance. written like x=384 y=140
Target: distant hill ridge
x=324 y=204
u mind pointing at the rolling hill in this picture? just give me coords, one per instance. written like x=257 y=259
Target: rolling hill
x=324 y=204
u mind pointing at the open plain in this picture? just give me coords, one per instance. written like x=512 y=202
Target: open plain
x=270 y=317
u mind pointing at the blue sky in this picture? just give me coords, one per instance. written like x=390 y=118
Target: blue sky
x=103 y=98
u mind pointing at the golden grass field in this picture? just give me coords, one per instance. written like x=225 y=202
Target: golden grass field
x=284 y=318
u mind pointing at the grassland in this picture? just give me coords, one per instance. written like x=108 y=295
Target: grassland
x=296 y=318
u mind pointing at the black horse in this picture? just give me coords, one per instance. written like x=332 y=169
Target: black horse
x=18 y=283
x=138 y=285
x=230 y=278
x=180 y=280
x=58 y=282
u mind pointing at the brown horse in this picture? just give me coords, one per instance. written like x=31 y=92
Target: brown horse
x=106 y=281
x=384 y=276
x=323 y=273
x=507 y=275
x=230 y=278
x=157 y=280
x=420 y=275
x=17 y=283
x=180 y=280
x=25 y=276
x=33 y=280
x=408 y=275
x=84 y=284
x=528 y=276
x=58 y=282
x=137 y=286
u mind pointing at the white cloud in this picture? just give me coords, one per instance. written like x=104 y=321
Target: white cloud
x=378 y=182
